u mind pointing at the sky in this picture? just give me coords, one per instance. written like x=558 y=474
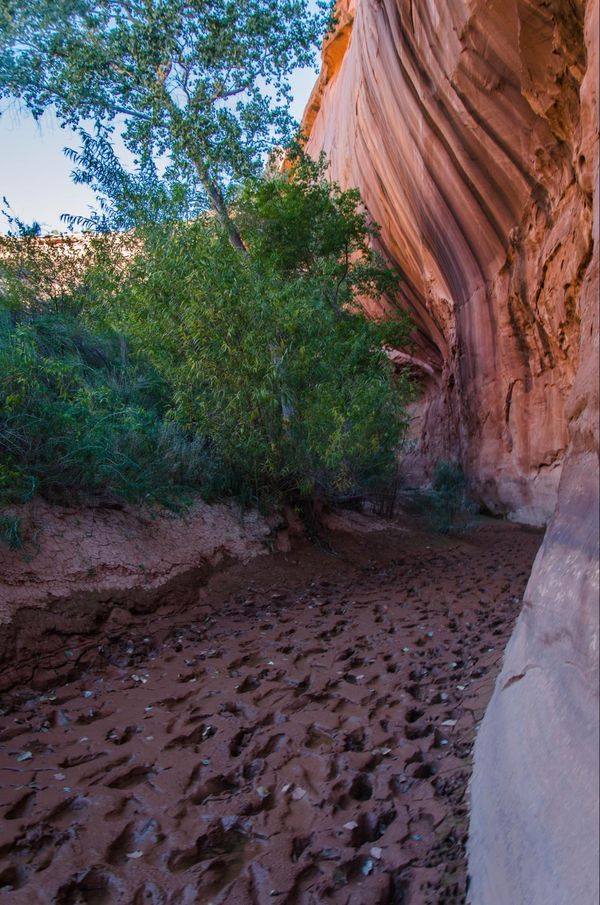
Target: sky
x=35 y=174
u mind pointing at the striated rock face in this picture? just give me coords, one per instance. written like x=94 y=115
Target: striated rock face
x=471 y=128
x=534 y=823
x=460 y=122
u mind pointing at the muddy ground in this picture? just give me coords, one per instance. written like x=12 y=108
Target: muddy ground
x=300 y=736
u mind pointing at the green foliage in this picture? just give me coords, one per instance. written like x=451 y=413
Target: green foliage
x=197 y=92
x=146 y=365
x=10 y=531
x=80 y=414
x=268 y=353
x=446 y=506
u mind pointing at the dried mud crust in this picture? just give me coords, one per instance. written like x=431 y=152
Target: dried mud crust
x=302 y=736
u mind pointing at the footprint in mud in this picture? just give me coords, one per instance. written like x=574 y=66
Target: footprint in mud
x=95 y=775
x=12 y=878
x=174 y=702
x=194 y=739
x=302 y=885
x=91 y=887
x=226 y=843
x=371 y=827
x=414 y=731
x=247 y=660
x=299 y=846
x=234 y=709
x=67 y=808
x=253 y=768
x=20 y=808
x=133 y=838
x=149 y=894
x=122 y=736
x=76 y=760
x=356 y=740
x=240 y=741
x=361 y=788
x=275 y=743
x=250 y=683
x=132 y=777
x=316 y=737
x=127 y=806
x=300 y=687
x=424 y=771
x=215 y=787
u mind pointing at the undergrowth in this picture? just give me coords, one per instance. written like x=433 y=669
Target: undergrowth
x=80 y=414
x=446 y=506
x=10 y=531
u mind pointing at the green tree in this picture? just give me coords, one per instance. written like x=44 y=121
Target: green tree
x=269 y=353
x=198 y=90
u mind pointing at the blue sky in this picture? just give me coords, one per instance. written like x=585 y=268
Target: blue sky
x=35 y=174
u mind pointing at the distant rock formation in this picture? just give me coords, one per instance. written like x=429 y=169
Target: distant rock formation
x=471 y=129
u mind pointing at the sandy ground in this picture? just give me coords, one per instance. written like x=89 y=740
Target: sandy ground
x=301 y=736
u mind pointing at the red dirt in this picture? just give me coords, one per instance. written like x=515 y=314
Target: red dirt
x=301 y=736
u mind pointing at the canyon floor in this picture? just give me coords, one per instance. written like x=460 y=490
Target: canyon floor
x=301 y=736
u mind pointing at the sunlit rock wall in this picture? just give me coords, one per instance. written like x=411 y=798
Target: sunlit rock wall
x=460 y=124
x=471 y=128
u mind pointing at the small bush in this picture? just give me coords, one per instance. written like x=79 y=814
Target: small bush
x=10 y=531
x=79 y=413
x=269 y=352
x=446 y=506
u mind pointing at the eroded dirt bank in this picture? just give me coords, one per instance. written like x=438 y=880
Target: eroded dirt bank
x=302 y=735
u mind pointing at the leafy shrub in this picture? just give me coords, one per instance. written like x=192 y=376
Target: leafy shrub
x=80 y=414
x=446 y=507
x=10 y=531
x=147 y=366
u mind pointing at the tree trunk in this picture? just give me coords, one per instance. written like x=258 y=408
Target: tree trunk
x=220 y=208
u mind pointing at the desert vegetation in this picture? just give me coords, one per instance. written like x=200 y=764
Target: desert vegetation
x=207 y=333
x=167 y=362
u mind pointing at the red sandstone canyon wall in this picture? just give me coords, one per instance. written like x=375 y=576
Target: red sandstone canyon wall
x=534 y=819
x=460 y=124
x=471 y=128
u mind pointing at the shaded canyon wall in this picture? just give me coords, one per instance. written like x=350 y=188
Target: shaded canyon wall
x=471 y=128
